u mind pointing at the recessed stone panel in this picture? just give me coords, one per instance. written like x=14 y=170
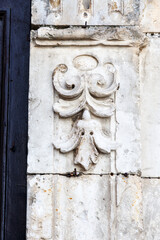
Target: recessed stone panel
x=55 y=115
x=103 y=65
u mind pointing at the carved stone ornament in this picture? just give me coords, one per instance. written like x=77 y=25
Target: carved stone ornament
x=88 y=92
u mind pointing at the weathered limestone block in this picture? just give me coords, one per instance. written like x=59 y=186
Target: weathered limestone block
x=85 y=12
x=53 y=118
x=40 y=158
x=150 y=113
x=80 y=208
x=94 y=108
x=127 y=114
x=85 y=207
x=151 y=208
x=40 y=207
x=73 y=36
x=129 y=215
x=150 y=21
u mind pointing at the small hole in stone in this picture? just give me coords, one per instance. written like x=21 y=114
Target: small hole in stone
x=85 y=14
x=125 y=174
x=91 y=133
x=82 y=133
x=73 y=86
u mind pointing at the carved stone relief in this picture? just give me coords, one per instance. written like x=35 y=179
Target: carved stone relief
x=89 y=93
x=85 y=12
x=84 y=96
x=90 y=96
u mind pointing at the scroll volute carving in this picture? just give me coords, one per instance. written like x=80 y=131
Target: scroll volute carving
x=88 y=92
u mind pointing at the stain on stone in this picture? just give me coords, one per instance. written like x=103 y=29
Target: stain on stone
x=114 y=6
x=55 y=3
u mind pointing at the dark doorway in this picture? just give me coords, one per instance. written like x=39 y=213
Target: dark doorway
x=14 y=78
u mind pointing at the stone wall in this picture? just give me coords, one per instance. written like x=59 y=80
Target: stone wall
x=94 y=120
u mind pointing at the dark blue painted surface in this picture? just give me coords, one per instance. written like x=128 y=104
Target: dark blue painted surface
x=14 y=78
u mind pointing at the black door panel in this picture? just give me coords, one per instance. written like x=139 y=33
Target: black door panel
x=14 y=78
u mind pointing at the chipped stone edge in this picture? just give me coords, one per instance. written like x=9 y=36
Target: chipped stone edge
x=89 y=36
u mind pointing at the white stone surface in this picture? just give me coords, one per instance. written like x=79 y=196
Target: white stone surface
x=82 y=12
x=149 y=17
x=92 y=207
x=80 y=208
x=150 y=109
x=129 y=208
x=127 y=113
x=83 y=206
x=97 y=205
x=43 y=126
x=40 y=208
x=151 y=209
x=40 y=149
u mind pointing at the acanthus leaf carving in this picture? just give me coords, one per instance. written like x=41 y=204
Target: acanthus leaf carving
x=70 y=108
x=90 y=93
x=71 y=143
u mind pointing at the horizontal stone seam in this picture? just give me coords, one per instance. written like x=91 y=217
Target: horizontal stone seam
x=93 y=174
x=82 y=173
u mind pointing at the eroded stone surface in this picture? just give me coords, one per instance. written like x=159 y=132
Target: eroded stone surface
x=150 y=21
x=127 y=114
x=40 y=149
x=91 y=207
x=129 y=208
x=85 y=12
x=80 y=208
x=91 y=33
x=151 y=209
x=83 y=208
x=40 y=208
x=150 y=114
